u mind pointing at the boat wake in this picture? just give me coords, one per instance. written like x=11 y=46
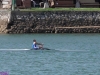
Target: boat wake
x=43 y=49
x=14 y=49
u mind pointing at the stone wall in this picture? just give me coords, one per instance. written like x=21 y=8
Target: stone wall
x=5 y=16
x=54 y=22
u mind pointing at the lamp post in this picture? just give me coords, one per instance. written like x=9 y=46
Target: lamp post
x=13 y=5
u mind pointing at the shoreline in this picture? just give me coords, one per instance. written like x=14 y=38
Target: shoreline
x=50 y=22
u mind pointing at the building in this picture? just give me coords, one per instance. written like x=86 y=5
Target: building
x=51 y=3
x=90 y=3
x=28 y=3
x=23 y=3
x=64 y=3
x=72 y=3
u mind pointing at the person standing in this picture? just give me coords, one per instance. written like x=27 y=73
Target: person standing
x=33 y=3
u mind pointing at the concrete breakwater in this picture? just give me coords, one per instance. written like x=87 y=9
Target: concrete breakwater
x=5 y=17
x=54 y=22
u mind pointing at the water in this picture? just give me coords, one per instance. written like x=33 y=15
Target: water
x=71 y=54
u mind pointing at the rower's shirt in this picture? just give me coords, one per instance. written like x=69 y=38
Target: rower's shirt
x=34 y=43
x=35 y=46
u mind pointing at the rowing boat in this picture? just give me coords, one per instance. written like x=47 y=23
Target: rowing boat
x=41 y=49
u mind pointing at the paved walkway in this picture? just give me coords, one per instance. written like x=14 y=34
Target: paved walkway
x=78 y=27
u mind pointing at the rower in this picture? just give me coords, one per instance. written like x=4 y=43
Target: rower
x=36 y=45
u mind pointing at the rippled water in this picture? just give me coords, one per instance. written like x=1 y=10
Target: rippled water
x=71 y=54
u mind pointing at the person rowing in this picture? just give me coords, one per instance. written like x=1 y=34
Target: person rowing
x=36 y=45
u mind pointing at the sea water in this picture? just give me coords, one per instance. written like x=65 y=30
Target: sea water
x=70 y=54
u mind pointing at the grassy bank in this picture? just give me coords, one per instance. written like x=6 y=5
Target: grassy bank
x=61 y=9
